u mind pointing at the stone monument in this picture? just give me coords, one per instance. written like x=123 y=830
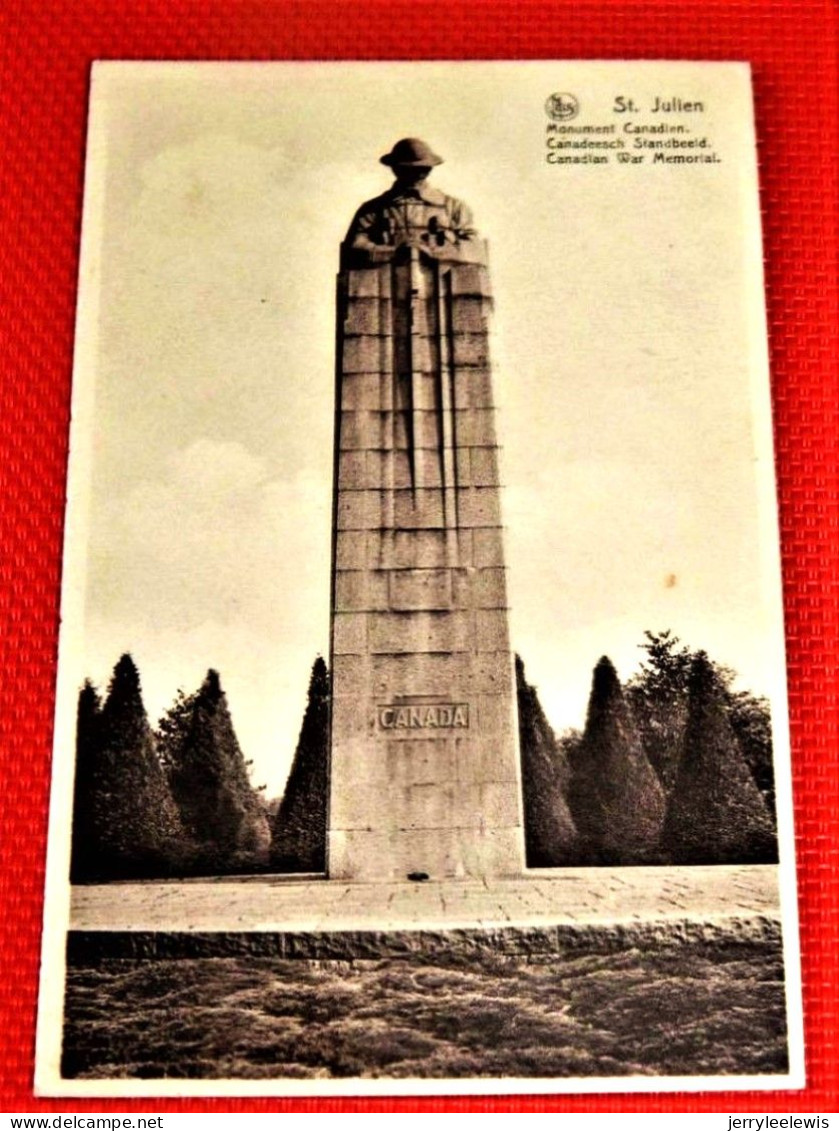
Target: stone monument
x=424 y=763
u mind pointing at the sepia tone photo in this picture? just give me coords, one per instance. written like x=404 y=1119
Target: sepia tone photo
x=421 y=719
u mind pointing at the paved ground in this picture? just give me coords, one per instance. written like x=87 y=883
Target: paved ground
x=547 y=896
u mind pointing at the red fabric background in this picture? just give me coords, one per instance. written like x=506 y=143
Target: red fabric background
x=47 y=46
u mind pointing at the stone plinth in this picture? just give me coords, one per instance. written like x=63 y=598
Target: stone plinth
x=424 y=773
x=603 y=898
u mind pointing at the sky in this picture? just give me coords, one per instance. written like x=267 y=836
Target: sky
x=628 y=353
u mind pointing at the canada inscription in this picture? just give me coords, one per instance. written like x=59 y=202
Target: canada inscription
x=427 y=716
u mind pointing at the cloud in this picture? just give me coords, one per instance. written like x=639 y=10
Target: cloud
x=215 y=537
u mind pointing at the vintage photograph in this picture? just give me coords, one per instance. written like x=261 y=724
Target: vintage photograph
x=421 y=714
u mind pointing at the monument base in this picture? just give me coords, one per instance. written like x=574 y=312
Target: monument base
x=542 y=897
x=425 y=854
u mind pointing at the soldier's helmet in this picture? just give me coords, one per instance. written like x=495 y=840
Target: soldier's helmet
x=411 y=151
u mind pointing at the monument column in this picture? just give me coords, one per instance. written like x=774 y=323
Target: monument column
x=424 y=762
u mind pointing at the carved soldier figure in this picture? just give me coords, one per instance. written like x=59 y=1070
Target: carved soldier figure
x=410 y=214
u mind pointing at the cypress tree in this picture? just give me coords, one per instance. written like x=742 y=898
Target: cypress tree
x=84 y=850
x=550 y=836
x=716 y=813
x=126 y=819
x=208 y=775
x=299 y=833
x=615 y=797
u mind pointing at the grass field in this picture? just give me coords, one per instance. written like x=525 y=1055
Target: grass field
x=687 y=1008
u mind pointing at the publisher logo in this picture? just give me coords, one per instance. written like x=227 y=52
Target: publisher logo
x=562 y=107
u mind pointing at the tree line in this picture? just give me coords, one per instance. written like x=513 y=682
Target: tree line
x=175 y=800
x=676 y=767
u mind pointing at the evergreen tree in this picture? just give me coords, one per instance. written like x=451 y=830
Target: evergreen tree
x=615 y=797
x=549 y=833
x=208 y=775
x=84 y=850
x=751 y=722
x=172 y=730
x=299 y=830
x=716 y=814
x=658 y=698
x=126 y=821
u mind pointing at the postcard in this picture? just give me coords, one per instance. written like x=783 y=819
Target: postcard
x=421 y=715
